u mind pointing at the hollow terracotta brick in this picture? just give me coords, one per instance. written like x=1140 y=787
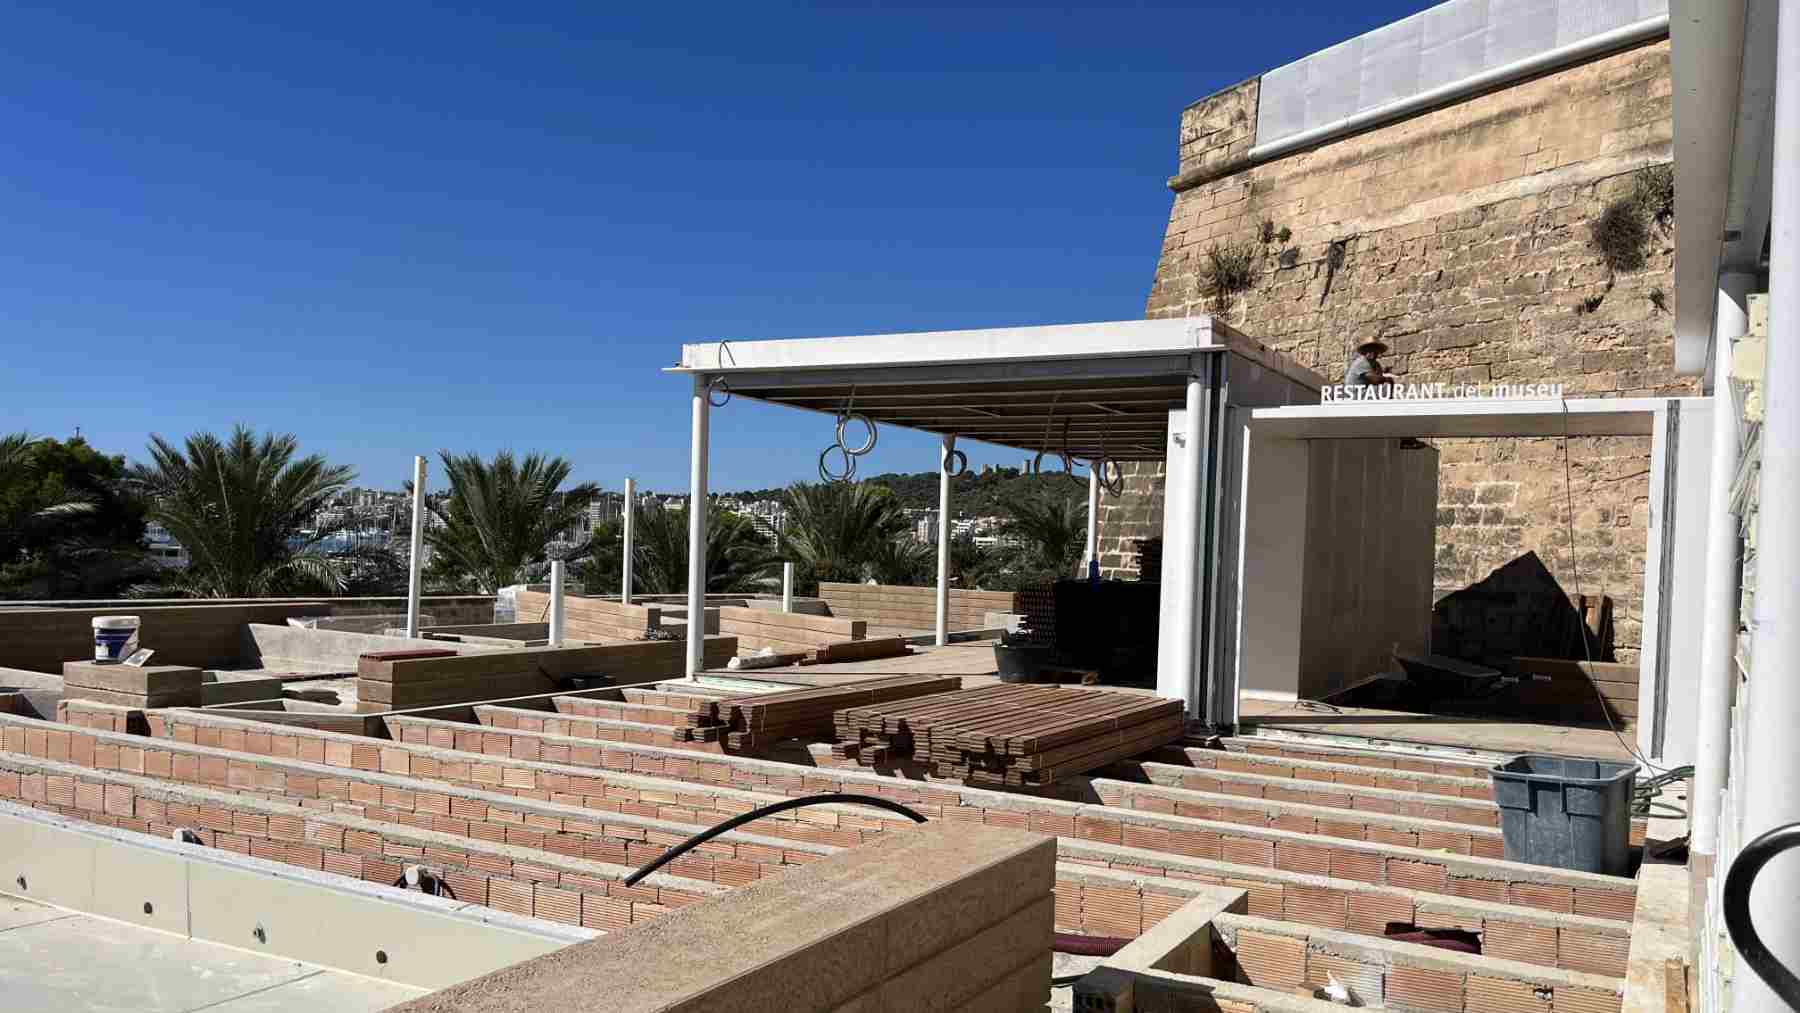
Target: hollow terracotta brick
x=1543 y=896
x=1533 y=944
x=1425 y=990
x=1270 y=961
x=1500 y=995
x=1417 y=875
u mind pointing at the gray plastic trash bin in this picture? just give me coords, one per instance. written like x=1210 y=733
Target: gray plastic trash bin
x=1566 y=811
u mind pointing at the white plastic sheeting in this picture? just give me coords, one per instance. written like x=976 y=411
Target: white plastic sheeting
x=1431 y=50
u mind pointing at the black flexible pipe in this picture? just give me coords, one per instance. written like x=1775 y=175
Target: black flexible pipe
x=1738 y=882
x=756 y=814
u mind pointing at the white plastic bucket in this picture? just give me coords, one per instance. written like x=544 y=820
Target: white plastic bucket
x=115 y=637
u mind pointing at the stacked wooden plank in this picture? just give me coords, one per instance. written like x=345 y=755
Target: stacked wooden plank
x=750 y=723
x=1010 y=735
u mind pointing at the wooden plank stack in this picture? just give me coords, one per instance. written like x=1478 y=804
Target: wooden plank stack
x=751 y=723
x=1010 y=736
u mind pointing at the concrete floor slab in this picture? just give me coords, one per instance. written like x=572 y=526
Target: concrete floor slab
x=17 y=913
x=1444 y=731
x=318 y=993
x=53 y=960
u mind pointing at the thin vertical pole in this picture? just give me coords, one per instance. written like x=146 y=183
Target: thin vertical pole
x=625 y=566
x=943 y=546
x=557 y=568
x=415 y=566
x=787 y=587
x=1093 y=520
x=697 y=503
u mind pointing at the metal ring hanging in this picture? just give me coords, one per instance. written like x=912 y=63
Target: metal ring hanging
x=1068 y=463
x=955 y=455
x=1114 y=485
x=718 y=383
x=844 y=419
x=849 y=464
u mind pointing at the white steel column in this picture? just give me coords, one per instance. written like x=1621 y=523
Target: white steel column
x=558 y=570
x=1183 y=678
x=415 y=564
x=787 y=587
x=1718 y=664
x=943 y=560
x=1771 y=798
x=1093 y=523
x=625 y=564
x=697 y=503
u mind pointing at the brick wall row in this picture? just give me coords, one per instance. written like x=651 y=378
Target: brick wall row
x=1381 y=800
x=365 y=788
x=1284 y=956
x=620 y=839
x=600 y=729
x=1404 y=831
x=1592 y=945
x=537 y=884
x=1364 y=860
x=580 y=785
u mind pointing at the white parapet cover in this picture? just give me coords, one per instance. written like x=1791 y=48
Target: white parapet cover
x=1434 y=49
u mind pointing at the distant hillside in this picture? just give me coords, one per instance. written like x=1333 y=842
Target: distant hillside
x=971 y=495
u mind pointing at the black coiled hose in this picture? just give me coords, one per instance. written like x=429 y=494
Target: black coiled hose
x=756 y=814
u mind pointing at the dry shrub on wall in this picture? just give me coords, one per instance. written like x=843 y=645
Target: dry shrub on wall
x=1621 y=233
x=1226 y=271
x=1654 y=193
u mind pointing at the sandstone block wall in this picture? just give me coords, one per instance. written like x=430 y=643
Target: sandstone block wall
x=1462 y=237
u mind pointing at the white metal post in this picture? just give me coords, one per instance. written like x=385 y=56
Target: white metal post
x=787 y=587
x=1093 y=520
x=625 y=565
x=1189 y=630
x=943 y=546
x=1718 y=664
x=415 y=564
x=697 y=503
x=557 y=568
x=1771 y=798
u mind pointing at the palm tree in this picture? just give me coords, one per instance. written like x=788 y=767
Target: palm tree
x=835 y=529
x=1051 y=533
x=496 y=527
x=240 y=507
x=738 y=557
x=901 y=560
x=598 y=570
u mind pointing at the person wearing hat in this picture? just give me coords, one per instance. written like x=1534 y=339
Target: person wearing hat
x=1365 y=366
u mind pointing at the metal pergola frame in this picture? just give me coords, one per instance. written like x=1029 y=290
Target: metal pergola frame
x=1091 y=391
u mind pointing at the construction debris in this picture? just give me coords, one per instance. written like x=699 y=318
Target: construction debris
x=1010 y=735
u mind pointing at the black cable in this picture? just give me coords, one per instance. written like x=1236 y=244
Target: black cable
x=1738 y=882
x=756 y=814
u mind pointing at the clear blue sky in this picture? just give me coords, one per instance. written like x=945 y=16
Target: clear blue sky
x=391 y=228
